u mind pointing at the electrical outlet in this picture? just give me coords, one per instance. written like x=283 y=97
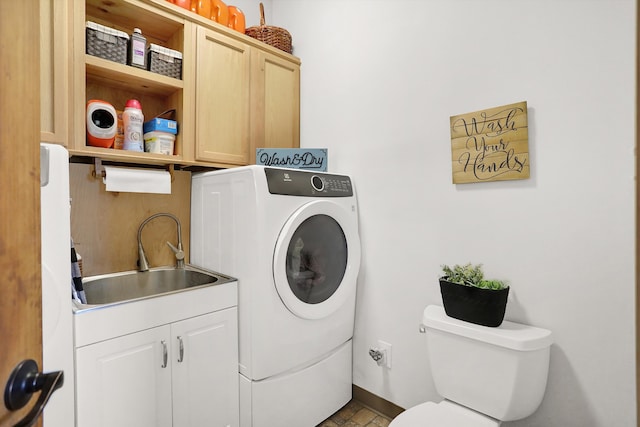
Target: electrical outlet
x=385 y=348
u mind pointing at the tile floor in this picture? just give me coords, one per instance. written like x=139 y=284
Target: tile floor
x=355 y=414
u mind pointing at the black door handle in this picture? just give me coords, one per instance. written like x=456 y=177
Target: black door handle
x=23 y=382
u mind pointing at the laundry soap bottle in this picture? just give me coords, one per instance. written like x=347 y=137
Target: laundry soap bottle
x=132 y=120
x=137 y=49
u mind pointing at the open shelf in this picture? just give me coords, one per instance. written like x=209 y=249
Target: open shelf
x=129 y=78
x=116 y=83
x=125 y=156
x=157 y=24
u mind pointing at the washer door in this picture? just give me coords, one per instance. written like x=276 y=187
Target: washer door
x=316 y=259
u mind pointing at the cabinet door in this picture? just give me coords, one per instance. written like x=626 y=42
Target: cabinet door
x=222 y=99
x=205 y=372
x=55 y=43
x=125 y=382
x=275 y=102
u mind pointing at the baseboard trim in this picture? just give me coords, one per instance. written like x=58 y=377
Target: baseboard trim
x=377 y=403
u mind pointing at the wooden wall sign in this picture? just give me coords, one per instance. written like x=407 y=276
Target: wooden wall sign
x=490 y=145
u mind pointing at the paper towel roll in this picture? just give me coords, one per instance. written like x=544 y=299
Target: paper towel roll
x=133 y=180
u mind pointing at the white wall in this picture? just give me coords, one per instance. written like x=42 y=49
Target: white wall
x=379 y=82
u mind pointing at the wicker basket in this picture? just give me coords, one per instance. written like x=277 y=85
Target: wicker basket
x=274 y=36
x=164 y=61
x=107 y=43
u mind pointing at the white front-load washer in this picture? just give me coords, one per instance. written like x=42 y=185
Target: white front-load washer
x=291 y=238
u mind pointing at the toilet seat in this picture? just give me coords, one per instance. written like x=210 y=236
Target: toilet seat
x=443 y=414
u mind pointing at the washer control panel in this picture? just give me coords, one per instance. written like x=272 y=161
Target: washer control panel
x=292 y=182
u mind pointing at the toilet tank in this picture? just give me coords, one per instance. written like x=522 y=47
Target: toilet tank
x=500 y=372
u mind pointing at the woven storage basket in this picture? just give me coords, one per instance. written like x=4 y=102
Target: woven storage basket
x=274 y=36
x=107 y=43
x=164 y=61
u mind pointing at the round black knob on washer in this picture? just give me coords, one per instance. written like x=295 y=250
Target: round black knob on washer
x=317 y=183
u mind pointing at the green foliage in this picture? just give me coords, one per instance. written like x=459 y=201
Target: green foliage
x=492 y=284
x=471 y=275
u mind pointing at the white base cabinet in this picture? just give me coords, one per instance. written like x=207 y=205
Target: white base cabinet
x=120 y=382
x=180 y=374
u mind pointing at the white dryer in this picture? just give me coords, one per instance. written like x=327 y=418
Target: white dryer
x=291 y=238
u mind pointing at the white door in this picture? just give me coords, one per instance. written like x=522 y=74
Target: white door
x=205 y=370
x=125 y=381
x=316 y=259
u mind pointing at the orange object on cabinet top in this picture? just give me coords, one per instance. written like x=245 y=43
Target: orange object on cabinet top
x=216 y=10
x=185 y=4
x=236 y=19
x=220 y=12
x=201 y=7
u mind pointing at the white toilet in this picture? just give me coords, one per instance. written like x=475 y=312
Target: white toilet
x=486 y=375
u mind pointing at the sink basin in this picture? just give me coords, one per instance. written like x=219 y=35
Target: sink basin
x=134 y=285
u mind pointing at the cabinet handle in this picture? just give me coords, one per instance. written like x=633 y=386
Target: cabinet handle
x=165 y=354
x=181 y=350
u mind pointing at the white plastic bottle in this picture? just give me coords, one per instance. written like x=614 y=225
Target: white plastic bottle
x=132 y=120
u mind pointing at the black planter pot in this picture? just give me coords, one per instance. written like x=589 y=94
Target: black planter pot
x=476 y=305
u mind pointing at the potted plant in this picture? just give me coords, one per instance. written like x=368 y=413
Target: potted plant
x=468 y=296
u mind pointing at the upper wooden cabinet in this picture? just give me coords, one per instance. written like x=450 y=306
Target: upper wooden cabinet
x=222 y=99
x=275 y=102
x=55 y=71
x=236 y=93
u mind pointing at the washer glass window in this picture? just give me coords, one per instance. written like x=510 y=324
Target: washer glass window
x=316 y=259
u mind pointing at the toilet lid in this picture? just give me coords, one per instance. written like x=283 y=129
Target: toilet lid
x=443 y=414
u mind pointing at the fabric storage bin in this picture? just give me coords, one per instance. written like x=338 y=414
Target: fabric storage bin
x=165 y=61
x=107 y=43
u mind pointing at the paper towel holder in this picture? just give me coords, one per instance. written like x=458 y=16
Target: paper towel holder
x=99 y=172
